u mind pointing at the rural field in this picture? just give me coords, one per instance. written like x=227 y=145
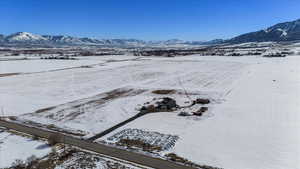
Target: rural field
x=149 y=84
x=250 y=120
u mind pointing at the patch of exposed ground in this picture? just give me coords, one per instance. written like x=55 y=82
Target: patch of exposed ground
x=130 y=143
x=174 y=157
x=44 y=110
x=146 y=140
x=85 y=160
x=8 y=74
x=73 y=110
x=70 y=158
x=70 y=111
x=123 y=60
x=173 y=91
x=163 y=92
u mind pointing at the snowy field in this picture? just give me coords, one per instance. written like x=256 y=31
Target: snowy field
x=29 y=66
x=14 y=147
x=23 y=94
x=256 y=126
x=252 y=121
x=36 y=65
x=84 y=160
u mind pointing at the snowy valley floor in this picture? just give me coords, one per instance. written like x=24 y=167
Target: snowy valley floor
x=19 y=150
x=256 y=126
x=13 y=147
x=252 y=121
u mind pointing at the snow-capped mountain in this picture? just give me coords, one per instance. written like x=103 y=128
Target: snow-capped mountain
x=62 y=39
x=21 y=38
x=25 y=37
x=287 y=31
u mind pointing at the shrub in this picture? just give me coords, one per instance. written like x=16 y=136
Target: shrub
x=18 y=164
x=12 y=118
x=163 y=91
x=35 y=137
x=31 y=160
x=202 y=101
x=54 y=139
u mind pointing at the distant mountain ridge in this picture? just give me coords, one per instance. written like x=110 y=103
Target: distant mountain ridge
x=25 y=38
x=287 y=31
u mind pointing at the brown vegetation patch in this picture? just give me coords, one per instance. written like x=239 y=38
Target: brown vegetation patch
x=13 y=118
x=116 y=94
x=44 y=109
x=174 y=157
x=8 y=74
x=164 y=91
x=53 y=159
x=55 y=138
x=71 y=110
x=69 y=158
x=139 y=144
x=86 y=66
x=202 y=101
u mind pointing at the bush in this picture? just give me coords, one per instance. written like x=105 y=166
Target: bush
x=164 y=91
x=31 y=160
x=54 y=139
x=51 y=126
x=18 y=164
x=140 y=144
x=202 y=101
x=13 y=118
x=35 y=137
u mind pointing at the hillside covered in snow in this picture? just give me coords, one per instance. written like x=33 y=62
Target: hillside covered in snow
x=287 y=31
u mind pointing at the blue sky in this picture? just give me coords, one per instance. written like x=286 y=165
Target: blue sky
x=145 y=19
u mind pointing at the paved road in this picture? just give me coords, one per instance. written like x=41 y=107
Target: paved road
x=95 y=137
x=98 y=148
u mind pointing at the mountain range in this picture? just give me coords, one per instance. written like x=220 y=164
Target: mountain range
x=25 y=38
x=287 y=31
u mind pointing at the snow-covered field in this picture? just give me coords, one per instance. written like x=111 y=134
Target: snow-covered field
x=35 y=65
x=256 y=126
x=83 y=160
x=13 y=147
x=27 y=93
x=251 y=123
x=29 y=66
